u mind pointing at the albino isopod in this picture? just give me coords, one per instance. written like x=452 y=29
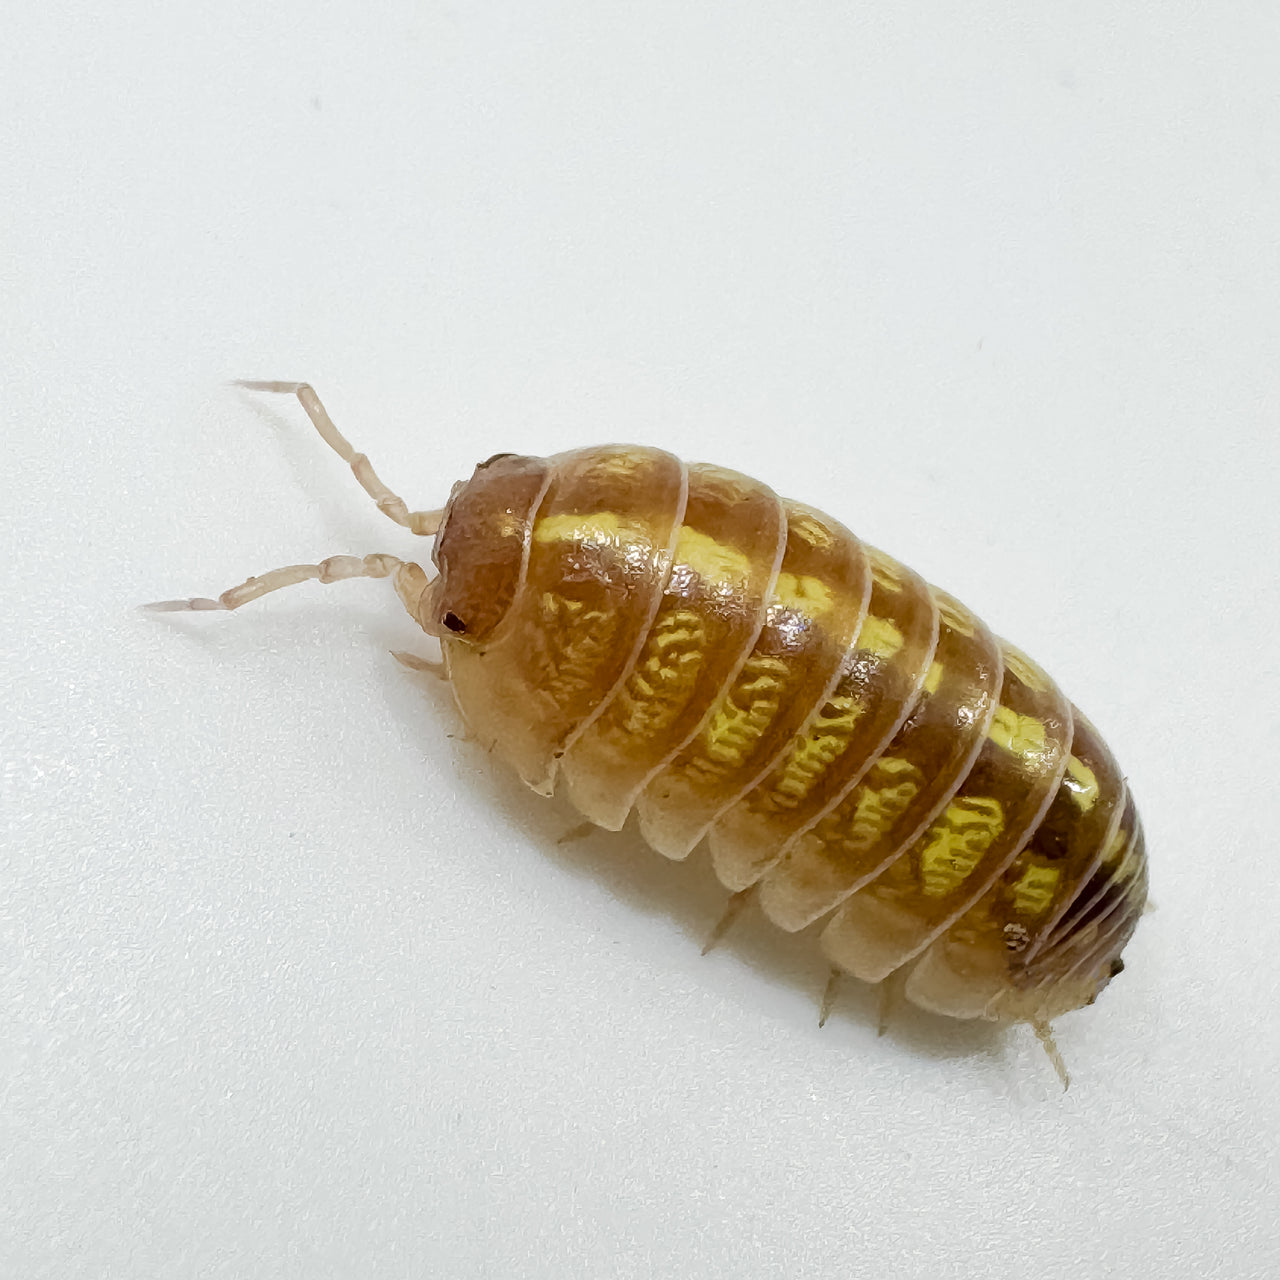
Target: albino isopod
x=854 y=744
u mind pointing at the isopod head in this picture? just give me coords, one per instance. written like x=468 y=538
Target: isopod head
x=479 y=551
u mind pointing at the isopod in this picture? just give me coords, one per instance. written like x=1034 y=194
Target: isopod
x=854 y=745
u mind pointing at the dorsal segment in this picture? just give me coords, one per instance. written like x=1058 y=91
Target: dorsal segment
x=881 y=677
x=818 y=602
x=599 y=551
x=723 y=568
x=975 y=838
x=906 y=787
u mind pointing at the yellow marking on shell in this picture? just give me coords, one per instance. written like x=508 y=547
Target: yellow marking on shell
x=885 y=571
x=816 y=751
x=1082 y=783
x=665 y=676
x=1115 y=847
x=957 y=842
x=742 y=717
x=711 y=560
x=879 y=636
x=1023 y=735
x=809 y=529
x=1026 y=670
x=1130 y=863
x=877 y=804
x=1033 y=891
x=603 y=528
x=933 y=677
x=953 y=614
x=804 y=593
x=574 y=640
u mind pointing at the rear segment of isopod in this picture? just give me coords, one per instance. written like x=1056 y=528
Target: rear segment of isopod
x=1081 y=954
x=985 y=958
x=969 y=845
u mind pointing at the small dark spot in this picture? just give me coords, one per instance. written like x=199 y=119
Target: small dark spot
x=454 y=623
x=1117 y=967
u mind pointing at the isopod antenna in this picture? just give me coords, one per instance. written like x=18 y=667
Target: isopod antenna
x=423 y=523
x=410 y=581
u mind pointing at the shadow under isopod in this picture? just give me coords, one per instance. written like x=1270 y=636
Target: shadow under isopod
x=687 y=892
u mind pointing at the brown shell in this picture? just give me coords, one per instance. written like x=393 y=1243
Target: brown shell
x=680 y=641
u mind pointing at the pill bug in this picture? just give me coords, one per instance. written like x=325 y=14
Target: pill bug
x=855 y=745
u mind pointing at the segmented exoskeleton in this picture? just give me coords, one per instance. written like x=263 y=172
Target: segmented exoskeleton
x=679 y=641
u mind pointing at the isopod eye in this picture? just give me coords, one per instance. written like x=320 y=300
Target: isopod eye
x=1117 y=967
x=454 y=623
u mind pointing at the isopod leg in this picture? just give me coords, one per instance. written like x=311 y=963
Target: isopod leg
x=334 y=569
x=829 y=994
x=1044 y=1034
x=733 y=909
x=420 y=522
x=891 y=997
x=415 y=663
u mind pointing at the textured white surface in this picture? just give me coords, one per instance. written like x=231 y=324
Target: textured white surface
x=294 y=982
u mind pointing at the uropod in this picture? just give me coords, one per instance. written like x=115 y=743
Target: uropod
x=854 y=745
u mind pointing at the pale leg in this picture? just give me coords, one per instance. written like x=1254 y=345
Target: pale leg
x=334 y=569
x=733 y=909
x=420 y=522
x=416 y=663
x=834 y=983
x=892 y=989
x=1045 y=1035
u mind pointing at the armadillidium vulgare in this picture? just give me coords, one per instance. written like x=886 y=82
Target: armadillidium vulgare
x=855 y=745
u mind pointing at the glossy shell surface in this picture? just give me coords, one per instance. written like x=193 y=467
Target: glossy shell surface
x=854 y=744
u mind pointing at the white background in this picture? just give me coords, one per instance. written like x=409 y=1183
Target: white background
x=297 y=983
